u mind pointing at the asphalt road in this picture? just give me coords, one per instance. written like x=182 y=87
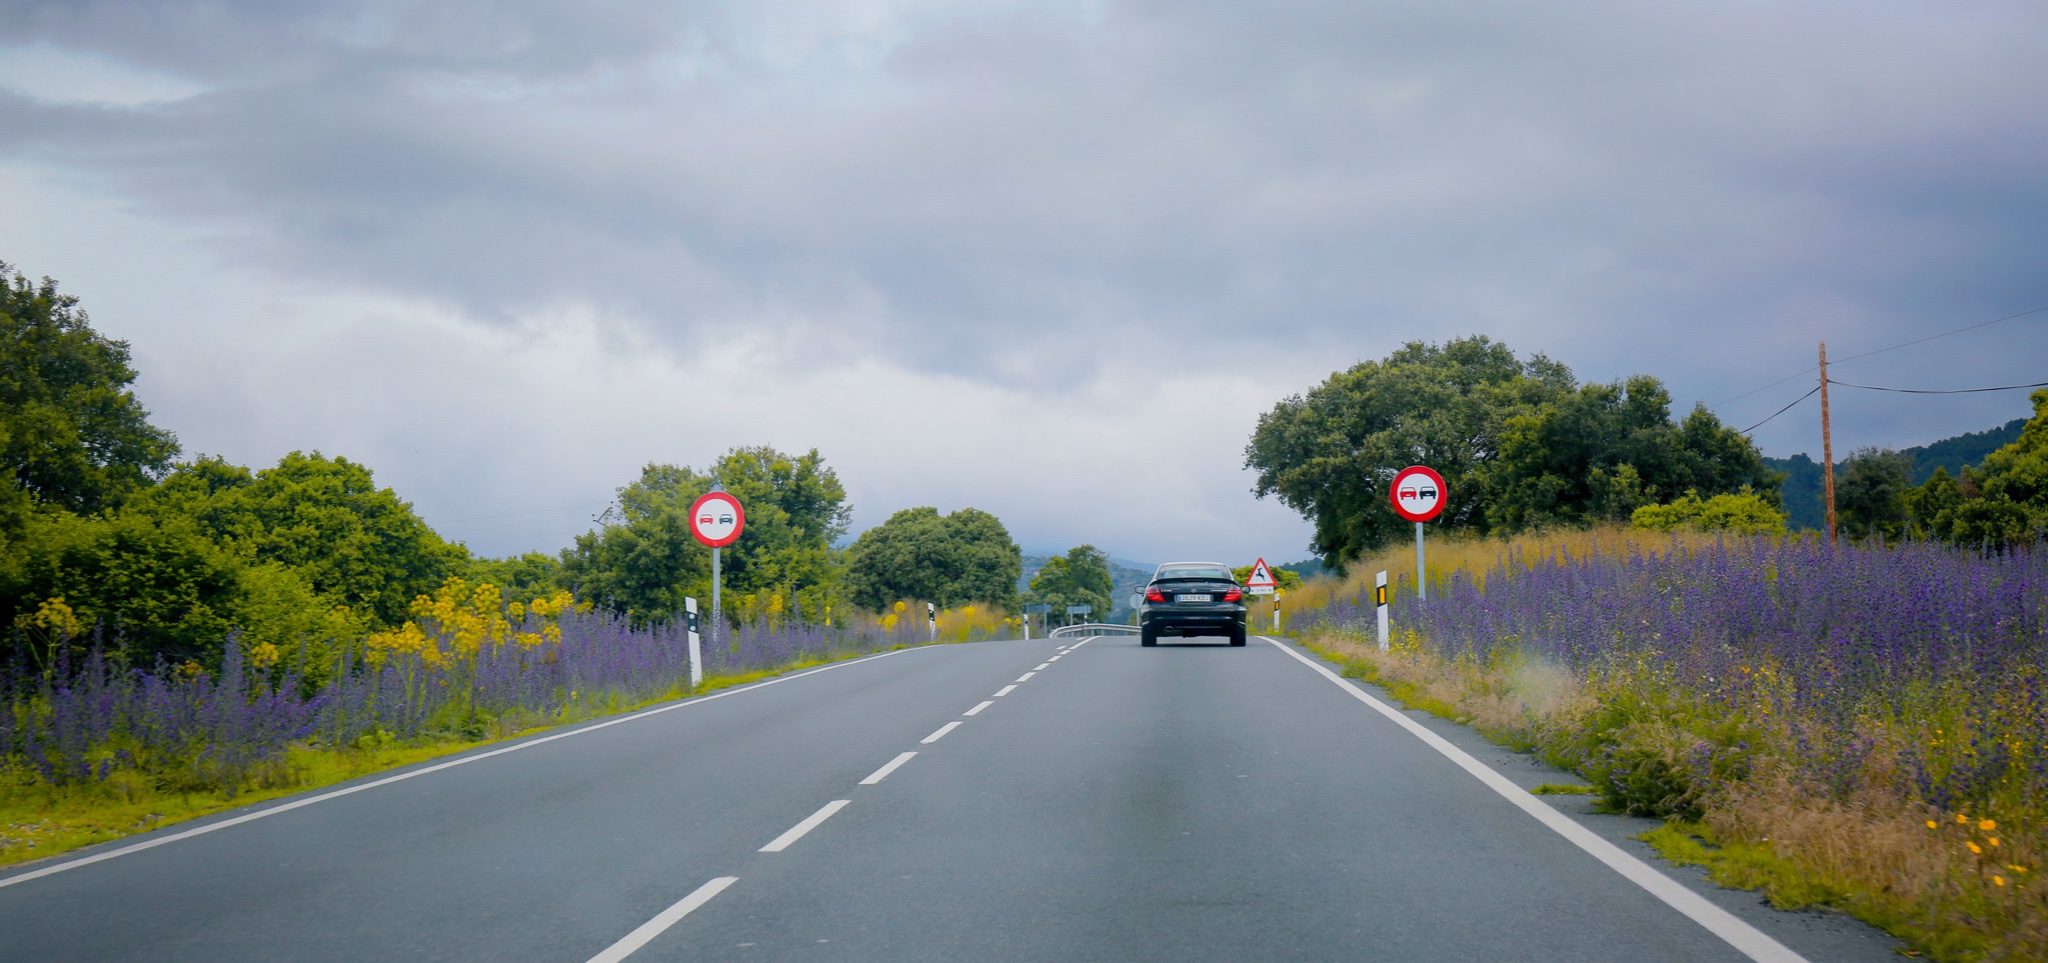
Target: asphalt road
x=1187 y=802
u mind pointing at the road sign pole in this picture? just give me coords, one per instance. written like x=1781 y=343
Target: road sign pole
x=1380 y=603
x=1421 y=571
x=717 y=613
x=696 y=647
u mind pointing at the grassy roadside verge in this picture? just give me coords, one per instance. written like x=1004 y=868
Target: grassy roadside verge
x=41 y=821
x=1948 y=884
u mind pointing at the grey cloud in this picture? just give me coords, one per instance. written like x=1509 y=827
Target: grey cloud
x=1697 y=190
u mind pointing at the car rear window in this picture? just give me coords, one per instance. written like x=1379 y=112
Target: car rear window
x=1193 y=571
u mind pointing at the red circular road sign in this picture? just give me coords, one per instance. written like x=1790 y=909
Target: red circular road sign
x=716 y=519
x=1418 y=493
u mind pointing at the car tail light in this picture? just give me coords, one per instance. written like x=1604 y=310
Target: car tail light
x=1233 y=595
x=1154 y=595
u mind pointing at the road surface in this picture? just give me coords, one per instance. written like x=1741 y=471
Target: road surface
x=1066 y=800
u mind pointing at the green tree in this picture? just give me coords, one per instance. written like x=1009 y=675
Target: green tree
x=153 y=587
x=1930 y=508
x=323 y=517
x=1870 y=494
x=644 y=561
x=1330 y=454
x=1605 y=450
x=966 y=556
x=1080 y=577
x=72 y=434
x=2005 y=501
x=1286 y=580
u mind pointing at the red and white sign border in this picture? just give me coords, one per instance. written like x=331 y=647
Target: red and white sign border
x=739 y=518
x=1394 y=488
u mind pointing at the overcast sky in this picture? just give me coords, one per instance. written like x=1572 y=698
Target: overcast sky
x=1051 y=260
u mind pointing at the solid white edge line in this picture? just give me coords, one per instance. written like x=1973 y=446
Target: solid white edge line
x=887 y=768
x=796 y=832
x=1006 y=690
x=1026 y=677
x=401 y=777
x=941 y=734
x=666 y=918
x=1747 y=939
x=977 y=709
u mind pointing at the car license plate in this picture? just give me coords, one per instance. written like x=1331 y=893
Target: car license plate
x=1196 y=597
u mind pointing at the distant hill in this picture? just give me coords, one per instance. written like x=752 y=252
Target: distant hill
x=1307 y=568
x=1803 y=483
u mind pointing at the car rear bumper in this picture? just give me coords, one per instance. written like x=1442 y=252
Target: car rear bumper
x=1221 y=622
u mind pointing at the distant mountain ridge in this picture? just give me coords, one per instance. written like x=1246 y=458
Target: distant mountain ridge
x=1803 y=482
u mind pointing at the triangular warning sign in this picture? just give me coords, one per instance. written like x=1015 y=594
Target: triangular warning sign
x=1261 y=577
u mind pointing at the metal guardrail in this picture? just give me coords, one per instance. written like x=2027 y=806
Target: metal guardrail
x=1091 y=628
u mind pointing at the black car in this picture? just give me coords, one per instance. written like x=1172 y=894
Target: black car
x=1192 y=598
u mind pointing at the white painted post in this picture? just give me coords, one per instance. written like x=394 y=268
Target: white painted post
x=696 y=648
x=931 y=611
x=1276 y=610
x=1380 y=600
x=1421 y=572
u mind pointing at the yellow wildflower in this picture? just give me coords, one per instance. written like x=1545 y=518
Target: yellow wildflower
x=1987 y=825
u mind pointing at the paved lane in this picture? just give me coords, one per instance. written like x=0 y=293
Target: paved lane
x=1098 y=802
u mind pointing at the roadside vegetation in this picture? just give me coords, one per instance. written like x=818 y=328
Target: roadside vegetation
x=1860 y=726
x=180 y=637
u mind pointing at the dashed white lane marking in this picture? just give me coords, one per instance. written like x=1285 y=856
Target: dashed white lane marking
x=810 y=822
x=977 y=709
x=1026 y=677
x=416 y=773
x=941 y=734
x=662 y=921
x=1752 y=942
x=883 y=773
x=1006 y=690
x=1052 y=660
x=1042 y=666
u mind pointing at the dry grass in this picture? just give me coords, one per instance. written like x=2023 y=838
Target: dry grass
x=1475 y=556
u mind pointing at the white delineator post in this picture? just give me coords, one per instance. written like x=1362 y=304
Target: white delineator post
x=1276 y=610
x=1380 y=601
x=696 y=648
x=931 y=612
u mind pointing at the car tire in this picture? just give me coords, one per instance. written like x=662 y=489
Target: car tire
x=1237 y=636
x=1148 y=636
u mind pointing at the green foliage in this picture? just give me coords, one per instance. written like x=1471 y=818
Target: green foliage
x=2005 y=502
x=325 y=518
x=1870 y=494
x=1744 y=512
x=1602 y=452
x=645 y=562
x=71 y=433
x=952 y=560
x=1329 y=454
x=156 y=586
x=522 y=577
x=1080 y=577
x=1520 y=445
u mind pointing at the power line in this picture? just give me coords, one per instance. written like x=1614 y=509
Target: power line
x=1944 y=334
x=1866 y=354
x=1810 y=393
x=1938 y=391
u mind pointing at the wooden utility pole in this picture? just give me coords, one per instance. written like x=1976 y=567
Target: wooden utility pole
x=1827 y=444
